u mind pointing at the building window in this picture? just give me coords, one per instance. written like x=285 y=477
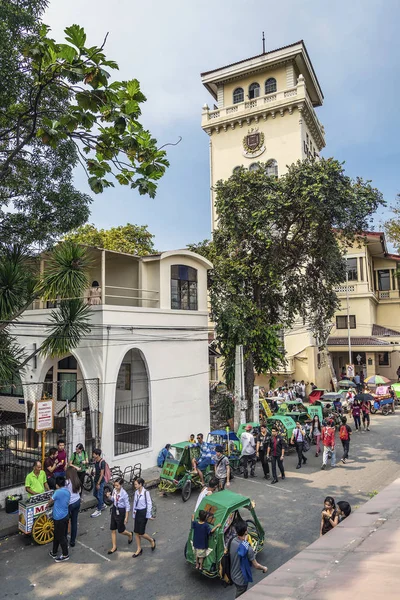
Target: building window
x=183 y=287
x=352 y=269
x=236 y=169
x=272 y=168
x=383 y=359
x=238 y=95
x=270 y=85
x=254 y=166
x=383 y=280
x=12 y=388
x=341 y=322
x=68 y=364
x=254 y=90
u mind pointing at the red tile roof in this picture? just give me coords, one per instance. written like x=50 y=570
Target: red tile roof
x=384 y=331
x=357 y=341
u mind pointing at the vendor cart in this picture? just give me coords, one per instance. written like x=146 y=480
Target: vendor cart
x=35 y=518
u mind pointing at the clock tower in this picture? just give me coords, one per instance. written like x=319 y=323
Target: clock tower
x=264 y=111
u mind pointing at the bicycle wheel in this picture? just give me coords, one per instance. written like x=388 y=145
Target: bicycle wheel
x=88 y=482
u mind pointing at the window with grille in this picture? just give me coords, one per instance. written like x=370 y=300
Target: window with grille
x=254 y=166
x=270 y=85
x=383 y=359
x=341 y=322
x=352 y=269
x=183 y=287
x=254 y=90
x=238 y=95
x=272 y=168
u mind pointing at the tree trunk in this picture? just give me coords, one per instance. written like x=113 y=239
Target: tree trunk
x=249 y=378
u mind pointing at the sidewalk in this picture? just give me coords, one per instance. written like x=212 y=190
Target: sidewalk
x=9 y=522
x=358 y=559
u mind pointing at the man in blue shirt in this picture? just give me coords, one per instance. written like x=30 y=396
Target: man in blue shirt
x=207 y=456
x=60 y=503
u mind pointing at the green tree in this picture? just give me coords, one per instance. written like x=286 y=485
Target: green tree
x=392 y=226
x=132 y=239
x=38 y=201
x=57 y=106
x=65 y=278
x=278 y=254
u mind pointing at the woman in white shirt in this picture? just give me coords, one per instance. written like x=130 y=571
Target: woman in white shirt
x=141 y=512
x=119 y=514
x=298 y=436
x=73 y=484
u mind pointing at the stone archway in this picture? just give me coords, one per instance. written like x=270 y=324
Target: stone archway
x=132 y=405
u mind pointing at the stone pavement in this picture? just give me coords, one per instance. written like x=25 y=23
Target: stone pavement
x=357 y=560
x=9 y=522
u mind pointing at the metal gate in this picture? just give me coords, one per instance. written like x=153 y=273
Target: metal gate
x=20 y=444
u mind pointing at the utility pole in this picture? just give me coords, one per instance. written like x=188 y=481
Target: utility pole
x=240 y=404
x=348 y=314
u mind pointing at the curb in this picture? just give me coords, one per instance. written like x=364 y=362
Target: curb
x=11 y=528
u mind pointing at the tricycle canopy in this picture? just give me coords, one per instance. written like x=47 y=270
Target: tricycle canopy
x=243 y=426
x=225 y=507
x=284 y=424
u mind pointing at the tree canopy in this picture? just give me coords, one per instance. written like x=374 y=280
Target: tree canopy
x=392 y=226
x=132 y=239
x=278 y=254
x=59 y=106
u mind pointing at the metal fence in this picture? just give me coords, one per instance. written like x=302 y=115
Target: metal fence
x=20 y=444
x=131 y=428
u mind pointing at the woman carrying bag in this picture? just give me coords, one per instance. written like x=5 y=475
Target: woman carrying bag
x=79 y=460
x=141 y=512
x=119 y=514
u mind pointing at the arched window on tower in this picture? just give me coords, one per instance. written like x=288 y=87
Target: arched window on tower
x=238 y=95
x=270 y=85
x=272 y=168
x=254 y=166
x=254 y=90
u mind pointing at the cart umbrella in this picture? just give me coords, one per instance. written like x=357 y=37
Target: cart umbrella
x=376 y=380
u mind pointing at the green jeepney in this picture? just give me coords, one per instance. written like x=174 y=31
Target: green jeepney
x=227 y=508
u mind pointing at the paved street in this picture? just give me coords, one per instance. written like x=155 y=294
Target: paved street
x=290 y=513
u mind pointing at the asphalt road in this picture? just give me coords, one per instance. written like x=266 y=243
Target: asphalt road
x=289 y=512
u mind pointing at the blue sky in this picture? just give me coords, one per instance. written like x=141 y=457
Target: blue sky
x=354 y=46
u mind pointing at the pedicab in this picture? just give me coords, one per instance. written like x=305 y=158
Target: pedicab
x=220 y=437
x=227 y=508
x=285 y=426
x=242 y=428
x=316 y=395
x=396 y=389
x=382 y=403
x=35 y=518
x=178 y=474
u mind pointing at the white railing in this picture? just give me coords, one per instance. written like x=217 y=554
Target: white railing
x=342 y=289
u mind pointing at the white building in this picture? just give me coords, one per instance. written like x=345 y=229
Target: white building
x=141 y=376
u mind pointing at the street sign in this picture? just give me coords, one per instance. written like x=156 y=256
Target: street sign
x=44 y=415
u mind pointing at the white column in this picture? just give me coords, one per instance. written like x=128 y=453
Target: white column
x=103 y=276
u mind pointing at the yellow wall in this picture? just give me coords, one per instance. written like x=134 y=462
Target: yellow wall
x=278 y=73
x=364 y=310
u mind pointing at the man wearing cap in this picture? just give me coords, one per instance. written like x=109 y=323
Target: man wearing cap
x=222 y=468
x=248 y=455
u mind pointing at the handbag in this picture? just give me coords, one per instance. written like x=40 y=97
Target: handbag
x=306 y=445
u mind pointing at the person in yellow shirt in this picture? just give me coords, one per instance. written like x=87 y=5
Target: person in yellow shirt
x=36 y=480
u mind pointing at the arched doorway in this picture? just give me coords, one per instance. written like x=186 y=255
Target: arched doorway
x=131 y=420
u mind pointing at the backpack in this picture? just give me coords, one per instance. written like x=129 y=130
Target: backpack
x=343 y=433
x=225 y=565
x=161 y=458
x=107 y=472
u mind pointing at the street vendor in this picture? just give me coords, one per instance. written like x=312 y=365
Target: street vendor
x=36 y=480
x=207 y=456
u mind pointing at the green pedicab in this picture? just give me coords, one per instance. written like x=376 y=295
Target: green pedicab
x=225 y=507
x=285 y=426
x=177 y=473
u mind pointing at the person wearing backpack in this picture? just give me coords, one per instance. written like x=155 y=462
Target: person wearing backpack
x=344 y=434
x=242 y=558
x=99 y=481
x=163 y=455
x=328 y=440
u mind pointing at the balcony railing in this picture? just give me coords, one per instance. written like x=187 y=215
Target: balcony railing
x=362 y=287
x=114 y=295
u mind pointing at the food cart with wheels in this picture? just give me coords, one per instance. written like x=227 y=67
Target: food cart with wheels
x=35 y=518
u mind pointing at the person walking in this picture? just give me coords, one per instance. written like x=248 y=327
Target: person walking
x=261 y=449
x=297 y=439
x=50 y=465
x=207 y=491
x=357 y=381
x=316 y=430
x=356 y=414
x=222 y=469
x=398 y=373
x=276 y=449
x=328 y=440
x=60 y=503
x=119 y=514
x=242 y=558
x=79 y=460
x=73 y=485
x=99 y=481
x=248 y=455
x=345 y=434
x=366 y=411
x=36 y=480
x=141 y=512
x=329 y=516
x=61 y=457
